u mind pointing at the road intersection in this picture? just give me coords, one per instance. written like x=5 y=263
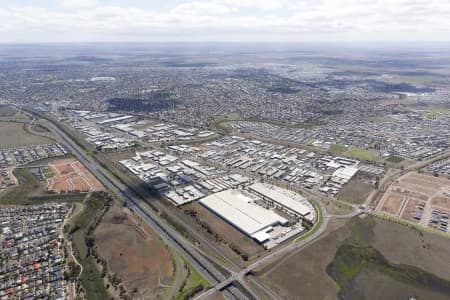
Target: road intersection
x=219 y=282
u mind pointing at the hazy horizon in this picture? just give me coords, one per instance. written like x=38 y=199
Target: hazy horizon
x=55 y=21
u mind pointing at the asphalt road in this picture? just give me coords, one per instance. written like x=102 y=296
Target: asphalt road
x=165 y=231
x=219 y=282
x=238 y=276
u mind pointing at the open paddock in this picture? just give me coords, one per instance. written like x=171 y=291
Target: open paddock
x=305 y=273
x=14 y=135
x=135 y=253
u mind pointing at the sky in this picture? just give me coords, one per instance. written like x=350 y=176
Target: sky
x=37 y=21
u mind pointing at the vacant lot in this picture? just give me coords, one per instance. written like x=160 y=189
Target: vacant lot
x=393 y=203
x=32 y=191
x=364 y=273
x=416 y=195
x=135 y=254
x=7 y=111
x=303 y=275
x=226 y=232
x=355 y=191
x=13 y=134
x=71 y=176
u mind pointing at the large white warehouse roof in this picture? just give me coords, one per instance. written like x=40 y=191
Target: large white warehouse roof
x=283 y=197
x=238 y=209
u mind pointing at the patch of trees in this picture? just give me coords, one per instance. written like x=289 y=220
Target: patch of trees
x=153 y=102
x=239 y=252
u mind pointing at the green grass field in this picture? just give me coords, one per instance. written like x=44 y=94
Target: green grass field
x=8 y=113
x=338 y=149
x=30 y=191
x=47 y=172
x=358 y=268
x=358 y=153
x=19 y=194
x=195 y=283
x=79 y=226
x=395 y=159
x=362 y=154
x=381 y=119
x=437 y=113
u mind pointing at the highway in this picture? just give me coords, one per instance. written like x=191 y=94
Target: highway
x=174 y=239
x=164 y=230
x=238 y=276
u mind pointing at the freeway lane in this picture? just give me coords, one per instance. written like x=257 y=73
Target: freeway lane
x=172 y=237
x=238 y=276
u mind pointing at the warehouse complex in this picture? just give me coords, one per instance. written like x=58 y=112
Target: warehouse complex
x=240 y=210
x=290 y=202
x=266 y=213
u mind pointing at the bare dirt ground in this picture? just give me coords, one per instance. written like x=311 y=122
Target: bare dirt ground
x=402 y=198
x=410 y=207
x=70 y=175
x=393 y=203
x=441 y=201
x=135 y=254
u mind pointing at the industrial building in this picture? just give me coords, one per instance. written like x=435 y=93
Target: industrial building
x=290 y=202
x=239 y=210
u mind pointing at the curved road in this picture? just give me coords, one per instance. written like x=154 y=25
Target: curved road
x=219 y=282
x=165 y=231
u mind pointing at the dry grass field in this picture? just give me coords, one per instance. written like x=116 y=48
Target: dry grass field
x=355 y=191
x=7 y=111
x=70 y=176
x=135 y=254
x=225 y=231
x=13 y=134
x=304 y=274
x=405 y=245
